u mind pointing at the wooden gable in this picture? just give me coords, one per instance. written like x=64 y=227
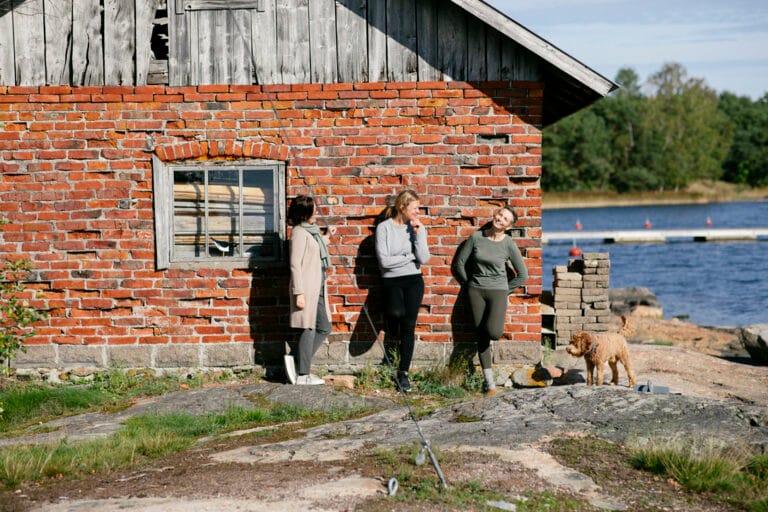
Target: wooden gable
x=192 y=42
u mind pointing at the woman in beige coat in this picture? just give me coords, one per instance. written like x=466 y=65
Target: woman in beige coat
x=309 y=308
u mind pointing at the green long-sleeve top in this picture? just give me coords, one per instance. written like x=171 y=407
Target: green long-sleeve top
x=487 y=263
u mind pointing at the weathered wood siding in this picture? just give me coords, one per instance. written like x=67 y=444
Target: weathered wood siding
x=108 y=42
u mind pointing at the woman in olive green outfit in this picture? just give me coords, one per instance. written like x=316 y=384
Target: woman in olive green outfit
x=488 y=252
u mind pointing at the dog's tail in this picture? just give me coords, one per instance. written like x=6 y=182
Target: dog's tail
x=627 y=328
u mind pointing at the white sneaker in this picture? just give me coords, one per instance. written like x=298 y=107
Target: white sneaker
x=290 y=368
x=309 y=380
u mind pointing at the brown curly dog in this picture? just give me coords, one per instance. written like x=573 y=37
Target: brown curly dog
x=599 y=348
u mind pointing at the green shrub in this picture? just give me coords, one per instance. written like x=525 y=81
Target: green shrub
x=16 y=314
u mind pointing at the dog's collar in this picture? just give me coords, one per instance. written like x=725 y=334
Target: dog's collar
x=592 y=350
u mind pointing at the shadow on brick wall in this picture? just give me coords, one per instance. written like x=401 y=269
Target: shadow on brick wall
x=268 y=319
x=368 y=281
x=464 y=347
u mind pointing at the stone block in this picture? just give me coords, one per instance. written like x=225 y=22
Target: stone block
x=431 y=355
x=269 y=353
x=594 y=295
x=177 y=356
x=568 y=313
x=336 y=352
x=129 y=356
x=227 y=355
x=589 y=263
x=37 y=356
x=592 y=315
x=567 y=294
x=466 y=351
x=595 y=280
x=364 y=353
x=517 y=352
x=87 y=356
x=561 y=282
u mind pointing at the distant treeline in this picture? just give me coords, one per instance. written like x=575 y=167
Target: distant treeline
x=680 y=131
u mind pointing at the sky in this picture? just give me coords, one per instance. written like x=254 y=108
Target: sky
x=723 y=42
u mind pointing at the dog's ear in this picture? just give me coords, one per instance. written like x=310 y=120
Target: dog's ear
x=575 y=339
x=587 y=341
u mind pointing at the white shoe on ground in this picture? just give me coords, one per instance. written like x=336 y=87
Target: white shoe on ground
x=309 y=380
x=290 y=368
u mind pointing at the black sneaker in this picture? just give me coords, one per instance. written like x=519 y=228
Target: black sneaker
x=403 y=384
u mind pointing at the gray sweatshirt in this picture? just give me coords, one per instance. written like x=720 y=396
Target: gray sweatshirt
x=399 y=250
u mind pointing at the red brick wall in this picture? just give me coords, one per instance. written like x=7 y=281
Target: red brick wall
x=76 y=184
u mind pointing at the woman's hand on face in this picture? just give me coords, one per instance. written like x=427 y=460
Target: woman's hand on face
x=300 y=301
x=416 y=225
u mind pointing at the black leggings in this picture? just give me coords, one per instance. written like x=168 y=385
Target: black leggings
x=489 y=314
x=402 y=299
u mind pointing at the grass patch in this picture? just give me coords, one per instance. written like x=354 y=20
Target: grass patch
x=26 y=404
x=143 y=438
x=420 y=484
x=683 y=473
x=728 y=473
x=454 y=380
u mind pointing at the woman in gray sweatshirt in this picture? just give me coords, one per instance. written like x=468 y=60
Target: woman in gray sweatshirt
x=401 y=249
x=481 y=266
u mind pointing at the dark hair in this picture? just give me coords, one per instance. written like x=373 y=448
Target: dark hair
x=301 y=209
x=512 y=211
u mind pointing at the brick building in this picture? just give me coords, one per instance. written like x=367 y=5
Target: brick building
x=149 y=193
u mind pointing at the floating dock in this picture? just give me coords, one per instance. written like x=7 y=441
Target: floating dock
x=659 y=235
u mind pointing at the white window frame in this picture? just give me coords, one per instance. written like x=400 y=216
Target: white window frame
x=165 y=254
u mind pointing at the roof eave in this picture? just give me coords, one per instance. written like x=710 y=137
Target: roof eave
x=569 y=69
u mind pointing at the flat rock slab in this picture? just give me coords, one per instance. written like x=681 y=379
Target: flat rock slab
x=526 y=416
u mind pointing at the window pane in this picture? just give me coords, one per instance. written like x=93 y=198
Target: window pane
x=224 y=212
x=259 y=230
x=228 y=210
x=188 y=214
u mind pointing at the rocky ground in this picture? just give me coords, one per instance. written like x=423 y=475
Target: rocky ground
x=507 y=443
x=702 y=361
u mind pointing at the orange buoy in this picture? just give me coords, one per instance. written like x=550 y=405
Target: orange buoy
x=578 y=224
x=647 y=224
x=575 y=251
x=709 y=221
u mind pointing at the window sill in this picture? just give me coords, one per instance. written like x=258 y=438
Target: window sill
x=240 y=264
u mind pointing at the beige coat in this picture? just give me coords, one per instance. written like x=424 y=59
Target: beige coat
x=306 y=278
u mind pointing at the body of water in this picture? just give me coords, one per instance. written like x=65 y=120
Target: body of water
x=710 y=283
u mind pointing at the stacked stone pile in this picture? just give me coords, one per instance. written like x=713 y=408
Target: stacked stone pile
x=580 y=292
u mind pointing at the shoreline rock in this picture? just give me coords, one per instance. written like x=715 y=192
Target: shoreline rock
x=754 y=339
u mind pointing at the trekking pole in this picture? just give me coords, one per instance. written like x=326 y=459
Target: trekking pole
x=424 y=442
